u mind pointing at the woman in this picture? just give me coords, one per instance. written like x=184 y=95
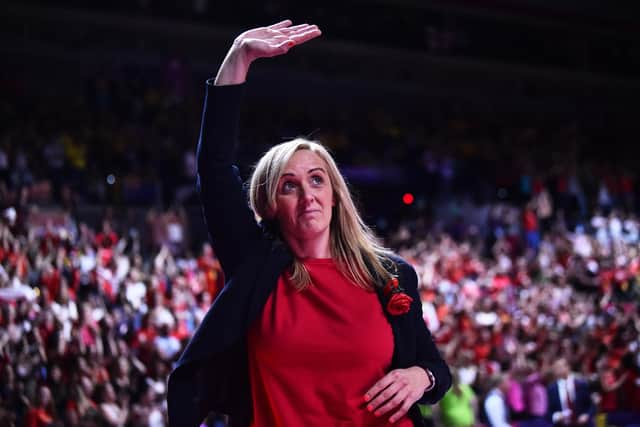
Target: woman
x=317 y=324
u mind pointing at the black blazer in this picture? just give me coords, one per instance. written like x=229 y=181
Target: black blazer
x=212 y=372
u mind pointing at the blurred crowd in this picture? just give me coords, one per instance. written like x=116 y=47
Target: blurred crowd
x=90 y=327
x=517 y=311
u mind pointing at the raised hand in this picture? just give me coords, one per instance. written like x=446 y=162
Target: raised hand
x=263 y=42
x=275 y=39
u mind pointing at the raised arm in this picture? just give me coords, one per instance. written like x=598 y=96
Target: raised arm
x=230 y=222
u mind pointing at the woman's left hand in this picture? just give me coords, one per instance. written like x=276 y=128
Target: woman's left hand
x=400 y=389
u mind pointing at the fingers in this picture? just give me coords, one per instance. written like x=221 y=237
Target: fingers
x=399 y=397
x=402 y=411
x=300 y=33
x=383 y=383
x=387 y=395
x=294 y=27
x=298 y=29
x=294 y=39
x=280 y=25
x=305 y=36
x=286 y=43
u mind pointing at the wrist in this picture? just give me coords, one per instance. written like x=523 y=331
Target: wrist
x=432 y=381
x=429 y=379
x=235 y=66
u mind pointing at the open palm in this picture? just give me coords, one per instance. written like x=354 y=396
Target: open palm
x=263 y=42
x=276 y=39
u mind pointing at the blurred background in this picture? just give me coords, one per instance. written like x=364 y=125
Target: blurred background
x=493 y=144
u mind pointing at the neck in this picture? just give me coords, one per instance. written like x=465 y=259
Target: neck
x=315 y=247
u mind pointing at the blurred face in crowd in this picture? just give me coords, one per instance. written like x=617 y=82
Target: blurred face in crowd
x=123 y=366
x=56 y=374
x=63 y=296
x=561 y=368
x=304 y=197
x=44 y=396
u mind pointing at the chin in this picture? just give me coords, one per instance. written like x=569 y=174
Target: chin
x=311 y=231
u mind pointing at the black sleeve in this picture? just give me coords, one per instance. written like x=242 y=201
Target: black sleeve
x=428 y=356
x=231 y=224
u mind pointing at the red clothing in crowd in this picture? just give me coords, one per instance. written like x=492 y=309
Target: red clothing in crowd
x=609 y=401
x=213 y=274
x=482 y=350
x=106 y=240
x=51 y=280
x=530 y=220
x=314 y=353
x=38 y=417
x=629 y=392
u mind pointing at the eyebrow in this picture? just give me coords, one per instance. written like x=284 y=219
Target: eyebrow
x=308 y=172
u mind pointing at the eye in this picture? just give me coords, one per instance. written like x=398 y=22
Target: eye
x=288 y=187
x=317 y=180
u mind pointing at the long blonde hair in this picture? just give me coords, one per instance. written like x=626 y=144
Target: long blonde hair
x=352 y=243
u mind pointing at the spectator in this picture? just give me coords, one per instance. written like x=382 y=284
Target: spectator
x=42 y=413
x=535 y=397
x=495 y=404
x=166 y=345
x=458 y=406
x=569 y=398
x=111 y=413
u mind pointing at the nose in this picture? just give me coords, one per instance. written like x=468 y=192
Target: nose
x=306 y=194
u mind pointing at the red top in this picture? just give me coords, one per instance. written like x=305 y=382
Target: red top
x=313 y=354
x=609 y=401
x=38 y=417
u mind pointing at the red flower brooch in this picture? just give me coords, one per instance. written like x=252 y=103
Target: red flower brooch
x=398 y=302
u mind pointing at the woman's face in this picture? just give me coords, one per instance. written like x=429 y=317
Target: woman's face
x=304 y=198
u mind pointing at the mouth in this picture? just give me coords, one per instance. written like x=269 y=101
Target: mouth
x=309 y=212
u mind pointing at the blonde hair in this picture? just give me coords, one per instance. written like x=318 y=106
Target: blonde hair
x=353 y=245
